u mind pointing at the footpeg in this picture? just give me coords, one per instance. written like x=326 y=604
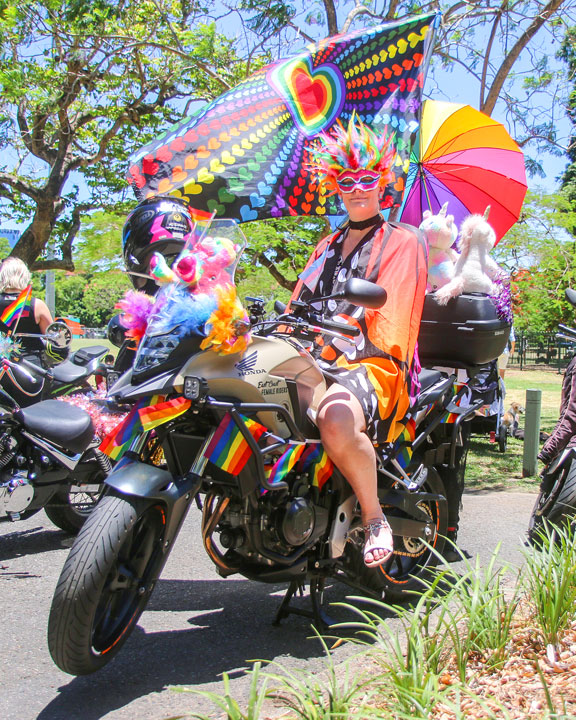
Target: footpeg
x=418 y=479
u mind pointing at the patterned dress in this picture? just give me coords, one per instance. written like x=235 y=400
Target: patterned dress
x=380 y=366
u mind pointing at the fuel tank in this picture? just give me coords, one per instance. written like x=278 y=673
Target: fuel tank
x=271 y=370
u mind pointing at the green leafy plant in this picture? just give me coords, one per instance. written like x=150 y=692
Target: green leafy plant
x=256 y=698
x=550 y=581
x=337 y=693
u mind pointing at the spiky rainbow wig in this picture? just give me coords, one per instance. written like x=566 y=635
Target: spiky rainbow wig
x=356 y=147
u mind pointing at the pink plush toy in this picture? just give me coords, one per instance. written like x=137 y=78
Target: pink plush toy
x=475 y=269
x=441 y=233
x=216 y=256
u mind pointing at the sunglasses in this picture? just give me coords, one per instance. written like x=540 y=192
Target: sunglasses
x=364 y=182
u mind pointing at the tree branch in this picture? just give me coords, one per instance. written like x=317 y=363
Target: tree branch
x=510 y=59
x=331 y=18
x=276 y=274
x=14 y=182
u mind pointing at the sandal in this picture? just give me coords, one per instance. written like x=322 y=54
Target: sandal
x=378 y=537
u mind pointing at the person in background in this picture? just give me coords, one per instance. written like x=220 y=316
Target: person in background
x=508 y=350
x=373 y=378
x=35 y=316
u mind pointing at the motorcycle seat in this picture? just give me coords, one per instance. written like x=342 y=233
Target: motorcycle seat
x=68 y=372
x=84 y=355
x=60 y=423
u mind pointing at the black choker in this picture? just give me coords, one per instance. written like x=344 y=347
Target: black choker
x=363 y=224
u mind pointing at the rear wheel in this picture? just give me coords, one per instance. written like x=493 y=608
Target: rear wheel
x=106 y=582
x=402 y=574
x=70 y=506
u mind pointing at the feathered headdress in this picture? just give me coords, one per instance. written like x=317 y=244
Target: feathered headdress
x=354 y=148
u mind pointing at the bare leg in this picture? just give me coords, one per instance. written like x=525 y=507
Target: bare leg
x=342 y=429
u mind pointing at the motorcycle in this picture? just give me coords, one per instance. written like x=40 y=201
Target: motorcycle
x=556 y=501
x=49 y=457
x=241 y=418
x=59 y=375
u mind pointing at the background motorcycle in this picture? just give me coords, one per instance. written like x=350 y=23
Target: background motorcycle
x=60 y=374
x=48 y=456
x=294 y=530
x=556 y=500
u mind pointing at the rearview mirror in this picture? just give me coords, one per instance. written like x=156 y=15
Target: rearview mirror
x=58 y=334
x=364 y=293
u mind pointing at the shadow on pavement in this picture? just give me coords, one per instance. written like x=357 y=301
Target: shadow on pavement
x=230 y=624
x=31 y=542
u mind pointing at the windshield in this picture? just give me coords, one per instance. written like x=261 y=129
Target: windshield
x=197 y=296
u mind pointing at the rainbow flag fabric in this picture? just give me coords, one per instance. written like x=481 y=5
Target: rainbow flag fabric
x=162 y=412
x=285 y=463
x=120 y=438
x=405 y=440
x=304 y=458
x=14 y=310
x=228 y=449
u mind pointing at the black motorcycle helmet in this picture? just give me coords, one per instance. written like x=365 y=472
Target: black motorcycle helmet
x=157 y=224
x=116 y=331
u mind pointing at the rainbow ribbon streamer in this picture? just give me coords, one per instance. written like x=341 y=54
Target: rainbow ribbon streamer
x=120 y=438
x=162 y=412
x=15 y=309
x=228 y=449
x=309 y=458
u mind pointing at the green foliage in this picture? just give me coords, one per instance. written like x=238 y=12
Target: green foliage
x=98 y=246
x=84 y=84
x=550 y=581
x=226 y=703
x=90 y=297
x=282 y=246
x=100 y=296
x=540 y=253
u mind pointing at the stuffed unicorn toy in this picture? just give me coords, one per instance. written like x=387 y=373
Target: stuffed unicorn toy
x=441 y=233
x=475 y=269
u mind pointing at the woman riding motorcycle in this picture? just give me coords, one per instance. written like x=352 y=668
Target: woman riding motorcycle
x=374 y=378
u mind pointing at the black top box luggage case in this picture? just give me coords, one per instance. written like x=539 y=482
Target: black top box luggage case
x=464 y=333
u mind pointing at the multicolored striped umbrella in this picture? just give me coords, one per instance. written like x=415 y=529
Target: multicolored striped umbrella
x=244 y=156
x=469 y=160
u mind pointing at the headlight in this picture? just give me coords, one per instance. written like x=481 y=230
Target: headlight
x=155 y=349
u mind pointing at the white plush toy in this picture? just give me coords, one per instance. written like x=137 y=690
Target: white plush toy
x=475 y=268
x=441 y=234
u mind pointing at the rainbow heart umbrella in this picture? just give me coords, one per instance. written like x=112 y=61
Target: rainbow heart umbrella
x=245 y=154
x=467 y=159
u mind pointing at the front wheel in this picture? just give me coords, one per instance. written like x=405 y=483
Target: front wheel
x=556 y=502
x=106 y=582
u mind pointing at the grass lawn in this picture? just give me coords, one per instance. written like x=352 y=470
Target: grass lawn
x=487 y=468
x=78 y=343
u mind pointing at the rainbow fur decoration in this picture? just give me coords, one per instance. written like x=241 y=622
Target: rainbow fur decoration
x=135 y=308
x=227 y=328
x=353 y=148
x=176 y=306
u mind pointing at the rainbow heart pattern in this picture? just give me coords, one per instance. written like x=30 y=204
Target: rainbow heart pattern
x=314 y=96
x=244 y=155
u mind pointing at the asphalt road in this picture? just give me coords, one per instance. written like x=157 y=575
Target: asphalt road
x=197 y=626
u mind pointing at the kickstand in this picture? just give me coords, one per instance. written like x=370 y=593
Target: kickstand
x=317 y=614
